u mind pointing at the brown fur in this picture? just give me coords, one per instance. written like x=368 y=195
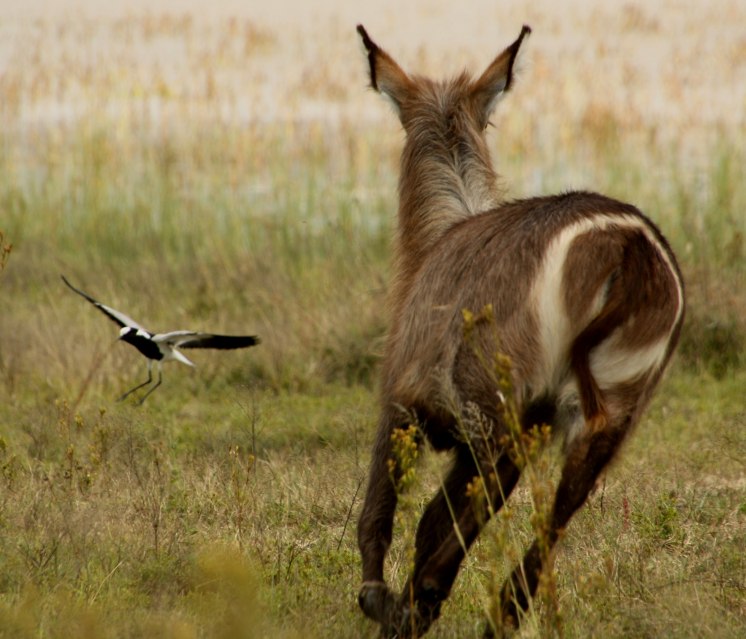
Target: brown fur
x=588 y=331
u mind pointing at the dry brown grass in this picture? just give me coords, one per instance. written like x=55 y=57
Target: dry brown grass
x=231 y=173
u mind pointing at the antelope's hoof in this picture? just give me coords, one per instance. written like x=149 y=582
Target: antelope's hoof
x=376 y=601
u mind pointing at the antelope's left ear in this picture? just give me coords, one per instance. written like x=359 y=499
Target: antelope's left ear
x=497 y=78
x=386 y=76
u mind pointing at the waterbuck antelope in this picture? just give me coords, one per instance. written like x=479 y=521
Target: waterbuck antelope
x=586 y=303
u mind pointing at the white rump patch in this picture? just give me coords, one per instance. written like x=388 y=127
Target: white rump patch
x=612 y=364
x=609 y=363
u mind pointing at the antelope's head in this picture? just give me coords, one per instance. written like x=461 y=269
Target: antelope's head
x=452 y=112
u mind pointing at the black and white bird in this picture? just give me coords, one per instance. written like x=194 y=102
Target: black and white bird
x=163 y=347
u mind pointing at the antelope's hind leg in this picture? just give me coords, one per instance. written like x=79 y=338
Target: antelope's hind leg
x=449 y=526
x=587 y=456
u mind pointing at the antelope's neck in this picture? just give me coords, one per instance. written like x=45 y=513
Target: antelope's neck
x=435 y=193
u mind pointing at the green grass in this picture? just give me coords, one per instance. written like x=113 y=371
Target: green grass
x=226 y=506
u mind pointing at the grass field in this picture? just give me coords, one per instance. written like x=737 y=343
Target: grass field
x=226 y=505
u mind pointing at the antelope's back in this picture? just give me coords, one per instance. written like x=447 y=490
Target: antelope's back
x=547 y=266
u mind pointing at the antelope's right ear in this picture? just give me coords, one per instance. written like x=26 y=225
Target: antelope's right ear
x=497 y=78
x=386 y=76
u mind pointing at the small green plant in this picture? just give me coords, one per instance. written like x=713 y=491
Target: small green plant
x=405 y=449
x=148 y=471
x=405 y=446
x=241 y=484
x=525 y=448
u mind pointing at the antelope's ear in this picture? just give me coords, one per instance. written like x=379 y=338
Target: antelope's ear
x=497 y=78
x=386 y=76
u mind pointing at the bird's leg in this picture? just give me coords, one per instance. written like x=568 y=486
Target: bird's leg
x=156 y=385
x=139 y=386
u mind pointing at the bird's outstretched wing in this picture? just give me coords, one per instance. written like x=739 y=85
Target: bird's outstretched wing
x=113 y=314
x=192 y=339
